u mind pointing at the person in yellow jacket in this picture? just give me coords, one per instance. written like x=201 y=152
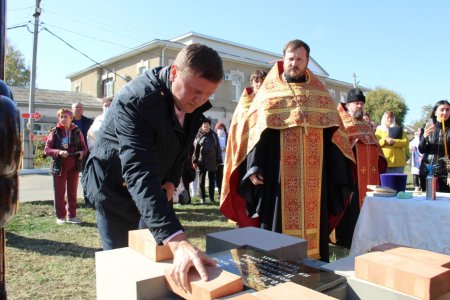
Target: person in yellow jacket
x=393 y=142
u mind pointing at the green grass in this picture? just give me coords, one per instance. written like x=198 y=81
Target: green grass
x=49 y=261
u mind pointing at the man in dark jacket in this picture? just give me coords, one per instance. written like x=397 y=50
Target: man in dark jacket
x=207 y=156
x=82 y=122
x=137 y=162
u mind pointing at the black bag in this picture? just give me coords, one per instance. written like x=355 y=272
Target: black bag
x=438 y=170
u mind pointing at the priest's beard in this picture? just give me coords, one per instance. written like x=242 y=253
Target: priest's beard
x=357 y=115
x=297 y=79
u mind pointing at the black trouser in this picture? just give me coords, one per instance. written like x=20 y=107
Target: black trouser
x=416 y=180
x=114 y=230
x=211 y=187
x=219 y=177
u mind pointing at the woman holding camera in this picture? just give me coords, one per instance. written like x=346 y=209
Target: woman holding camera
x=434 y=143
x=66 y=146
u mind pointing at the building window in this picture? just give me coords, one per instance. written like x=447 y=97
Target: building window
x=78 y=87
x=141 y=67
x=343 y=97
x=237 y=80
x=108 y=87
x=332 y=93
x=141 y=70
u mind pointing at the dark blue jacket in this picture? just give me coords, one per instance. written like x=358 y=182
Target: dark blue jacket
x=84 y=124
x=140 y=146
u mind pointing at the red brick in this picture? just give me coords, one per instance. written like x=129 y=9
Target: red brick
x=143 y=242
x=403 y=274
x=429 y=257
x=220 y=283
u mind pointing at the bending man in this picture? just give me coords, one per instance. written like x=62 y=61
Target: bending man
x=132 y=174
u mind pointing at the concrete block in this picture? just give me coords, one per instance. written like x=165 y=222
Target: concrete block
x=403 y=274
x=290 y=291
x=243 y=296
x=363 y=289
x=143 y=242
x=276 y=244
x=344 y=266
x=124 y=274
x=220 y=283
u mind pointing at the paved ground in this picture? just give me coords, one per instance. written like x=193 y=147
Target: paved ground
x=37 y=184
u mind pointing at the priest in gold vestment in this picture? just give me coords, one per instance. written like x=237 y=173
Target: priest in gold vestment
x=291 y=169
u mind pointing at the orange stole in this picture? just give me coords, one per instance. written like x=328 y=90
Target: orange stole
x=301 y=173
x=368 y=152
x=367 y=156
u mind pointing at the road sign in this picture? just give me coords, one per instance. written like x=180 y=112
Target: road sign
x=36 y=116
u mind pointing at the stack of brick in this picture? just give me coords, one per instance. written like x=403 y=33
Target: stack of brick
x=419 y=273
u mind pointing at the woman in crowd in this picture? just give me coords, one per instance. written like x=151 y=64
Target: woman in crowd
x=66 y=146
x=393 y=142
x=366 y=117
x=416 y=159
x=434 y=145
x=222 y=133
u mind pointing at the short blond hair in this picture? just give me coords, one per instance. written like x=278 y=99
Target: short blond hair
x=64 y=111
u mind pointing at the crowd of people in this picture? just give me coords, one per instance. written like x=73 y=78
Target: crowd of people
x=291 y=161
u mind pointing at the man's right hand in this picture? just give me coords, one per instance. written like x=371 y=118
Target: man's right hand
x=187 y=255
x=256 y=179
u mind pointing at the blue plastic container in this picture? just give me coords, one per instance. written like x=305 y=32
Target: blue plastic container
x=396 y=181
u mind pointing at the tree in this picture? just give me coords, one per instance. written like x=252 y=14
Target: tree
x=381 y=100
x=17 y=72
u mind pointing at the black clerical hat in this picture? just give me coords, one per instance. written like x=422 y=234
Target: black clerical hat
x=354 y=95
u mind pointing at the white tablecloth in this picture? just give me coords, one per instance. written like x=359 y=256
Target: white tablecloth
x=416 y=222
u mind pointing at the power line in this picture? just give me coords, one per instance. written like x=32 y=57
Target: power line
x=86 y=36
x=17 y=26
x=85 y=55
x=101 y=17
x=94 y=25
x=21 y=8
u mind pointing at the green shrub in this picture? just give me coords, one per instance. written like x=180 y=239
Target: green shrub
x=40 y=159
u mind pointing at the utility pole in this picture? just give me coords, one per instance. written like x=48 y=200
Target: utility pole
x=355 y=84
x=28 y=143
